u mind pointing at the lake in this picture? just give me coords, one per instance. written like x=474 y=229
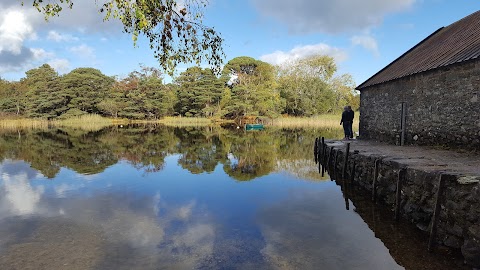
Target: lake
x=155 y=197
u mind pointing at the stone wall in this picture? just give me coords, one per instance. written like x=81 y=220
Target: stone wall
x=443 y=107
x=459 y=220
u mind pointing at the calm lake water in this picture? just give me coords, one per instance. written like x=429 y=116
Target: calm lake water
x=153 y=197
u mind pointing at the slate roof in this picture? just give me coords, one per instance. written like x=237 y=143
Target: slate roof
x=455 y=43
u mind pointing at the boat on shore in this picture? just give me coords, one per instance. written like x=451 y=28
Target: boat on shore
x=254 y=126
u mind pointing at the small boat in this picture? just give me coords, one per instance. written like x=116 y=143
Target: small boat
x=253 y=126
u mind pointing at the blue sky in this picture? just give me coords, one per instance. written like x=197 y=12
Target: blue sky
x=363 y=36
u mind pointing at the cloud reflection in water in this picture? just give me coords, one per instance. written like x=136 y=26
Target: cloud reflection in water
x=103 y=229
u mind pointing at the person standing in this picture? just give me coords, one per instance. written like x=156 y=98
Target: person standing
x=346 y=123
x=351 y=116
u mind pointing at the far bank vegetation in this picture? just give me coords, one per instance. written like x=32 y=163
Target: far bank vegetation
x=294 y=93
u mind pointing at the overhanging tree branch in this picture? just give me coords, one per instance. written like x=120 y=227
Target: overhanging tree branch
x=175 y=30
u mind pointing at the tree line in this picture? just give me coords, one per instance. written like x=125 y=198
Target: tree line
x=245 y=87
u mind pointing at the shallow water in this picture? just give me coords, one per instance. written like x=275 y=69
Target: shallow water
x=149 y=197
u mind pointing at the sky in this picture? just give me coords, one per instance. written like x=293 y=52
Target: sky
x=362 y=36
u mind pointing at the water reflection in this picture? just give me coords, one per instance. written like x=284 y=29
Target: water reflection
x=170 y=198
x=18 y=196
x=103 y=229
x=406 y=244
x=244 y=155
x=311 y=230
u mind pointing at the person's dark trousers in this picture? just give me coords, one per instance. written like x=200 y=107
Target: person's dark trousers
x=347 y=129
x=351 y=130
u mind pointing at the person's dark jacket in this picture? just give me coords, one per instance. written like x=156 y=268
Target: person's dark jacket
x=347 y=116
x=350 y=116
x=344 y=117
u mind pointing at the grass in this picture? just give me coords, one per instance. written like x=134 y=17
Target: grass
x=321 y=121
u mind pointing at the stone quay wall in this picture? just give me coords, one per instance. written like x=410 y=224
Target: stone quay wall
x=442 y=107
x=458 y=223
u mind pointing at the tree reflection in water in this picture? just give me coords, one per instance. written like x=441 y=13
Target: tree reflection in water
x=245 y=155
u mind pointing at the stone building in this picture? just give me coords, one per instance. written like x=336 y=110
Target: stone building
x=430 y=94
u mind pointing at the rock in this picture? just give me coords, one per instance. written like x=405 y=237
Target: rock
x=456 y=230
x=423 y=227
x=475 y=231
x=453 y=242
x=465 y=180
x=471 y=252
x=451 y=205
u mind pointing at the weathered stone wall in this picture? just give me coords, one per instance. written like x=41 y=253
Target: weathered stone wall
x=443 y=107
x=459 y=220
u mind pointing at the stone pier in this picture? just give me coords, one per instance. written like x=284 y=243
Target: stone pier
x=437 y=190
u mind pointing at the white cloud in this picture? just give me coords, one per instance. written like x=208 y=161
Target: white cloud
x=185 y=212
x=311 y=16
x=63 y=189
x=20 y=23
x=55 y=36
x=40 y=54
x=14 y=30
x=300 y=52
x=20 y=195
x=84 y=15
x=367 y=42
x=83 y=51
x=60 y=65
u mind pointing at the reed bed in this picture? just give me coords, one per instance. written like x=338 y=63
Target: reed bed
x=329 y=121
x=24 y=123
x=93 y=122
x=186 y=121
x=90 y=122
